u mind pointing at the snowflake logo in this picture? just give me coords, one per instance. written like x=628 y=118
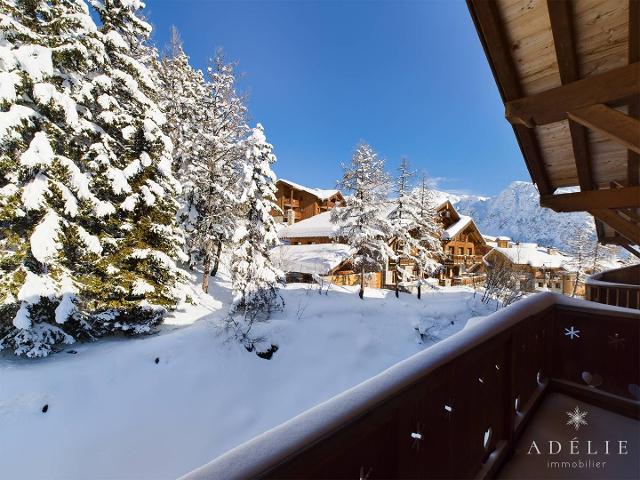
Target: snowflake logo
x=576 y=418
x=572 y=333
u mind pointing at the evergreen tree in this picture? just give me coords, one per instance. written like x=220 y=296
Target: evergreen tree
x=254 y=277
x=207 y=123
x=227 y=133
x=182 y=96
x=362 y=222
x=88 y=238
x=415 y=229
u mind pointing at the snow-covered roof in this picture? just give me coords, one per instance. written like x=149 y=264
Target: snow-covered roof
x=321 y=193
x=319 y=258
x=457 y=227
x=531 y=254
x=317 y=226
x=502 y=237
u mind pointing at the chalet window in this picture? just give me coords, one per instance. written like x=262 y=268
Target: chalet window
x=469 y=251
x=451 y=250
x=540 y=284
x=461 y=250
x=557 y=285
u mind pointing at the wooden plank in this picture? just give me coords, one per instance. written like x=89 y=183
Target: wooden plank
x=611 y=123
x=615 y=86
x=489 y=26
x=633 y=159
x=619 y=224
x=628 y=197
x=561 y=19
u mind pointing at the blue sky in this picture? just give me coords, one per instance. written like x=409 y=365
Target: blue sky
x=408 y=77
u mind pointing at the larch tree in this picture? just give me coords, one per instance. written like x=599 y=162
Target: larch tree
x=363 y=221
x=226 y=146
x=207 y=124
x=425 y=228
x=580 y=248
x=183 y=97
x=254 y=276
x=88 y=237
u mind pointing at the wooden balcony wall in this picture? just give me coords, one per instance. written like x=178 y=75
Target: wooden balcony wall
x=620 y=287
x=456 y=409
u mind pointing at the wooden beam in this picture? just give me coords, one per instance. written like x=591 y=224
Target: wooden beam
x=615 y=86
x=626 y=229
x=611 y=123
x=561 y=20
x=633 y=159
x=628 y=197
x=497 y=48
x=615 y=240
x=631 y=250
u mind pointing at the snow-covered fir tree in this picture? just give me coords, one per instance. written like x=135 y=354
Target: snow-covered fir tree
x=182 y=96
x=89 y=240
x=227 y=131
x=207 y=123
x=254 y=277
x=363 y=221
x=416 y=230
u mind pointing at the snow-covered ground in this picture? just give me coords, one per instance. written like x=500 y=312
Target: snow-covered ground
x=113 y=412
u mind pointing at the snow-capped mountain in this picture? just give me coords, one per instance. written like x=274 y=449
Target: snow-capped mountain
x=516 y=213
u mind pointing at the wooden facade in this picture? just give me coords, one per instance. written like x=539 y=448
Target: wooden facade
x=463 y=249
x=298 y=203
x=542 y=279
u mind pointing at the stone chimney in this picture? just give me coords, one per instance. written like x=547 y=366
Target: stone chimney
x=291 y=216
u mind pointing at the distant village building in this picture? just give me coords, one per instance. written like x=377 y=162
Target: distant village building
x=539 y=268
x=298 y=202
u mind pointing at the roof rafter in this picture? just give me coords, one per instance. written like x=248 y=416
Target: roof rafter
x=611 y=123
x=562 y=29
x=612 y=87
x=625 y=228
x=627 y=197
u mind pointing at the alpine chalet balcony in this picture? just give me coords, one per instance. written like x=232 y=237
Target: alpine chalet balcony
x=619 y=287
x=471 y=406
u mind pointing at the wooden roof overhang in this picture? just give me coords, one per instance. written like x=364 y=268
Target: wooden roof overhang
x=569 y=76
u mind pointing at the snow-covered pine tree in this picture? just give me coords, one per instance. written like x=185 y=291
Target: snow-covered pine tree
x=580 y=247
x=183 y=97
x=415 y=229
x=363 y=221
x=84 y=247
x=132 y=159
x=227 y=130
x=427 y=229
x=254 y=277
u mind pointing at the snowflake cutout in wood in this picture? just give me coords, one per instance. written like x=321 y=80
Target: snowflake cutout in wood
x=576 y=418
x=572 y=333
x=617 y=341
x=417 y=437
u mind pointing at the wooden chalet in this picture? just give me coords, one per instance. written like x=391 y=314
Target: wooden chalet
x=539 y=269
x=298 y=202
x=463 y=245
x=470 y=406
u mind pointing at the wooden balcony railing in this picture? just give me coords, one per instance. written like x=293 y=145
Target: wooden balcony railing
x=462 y=259
x=456 y=409
x=291 y=202
x=619 y=287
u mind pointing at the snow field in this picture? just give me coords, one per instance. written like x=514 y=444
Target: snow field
x=113 y=412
